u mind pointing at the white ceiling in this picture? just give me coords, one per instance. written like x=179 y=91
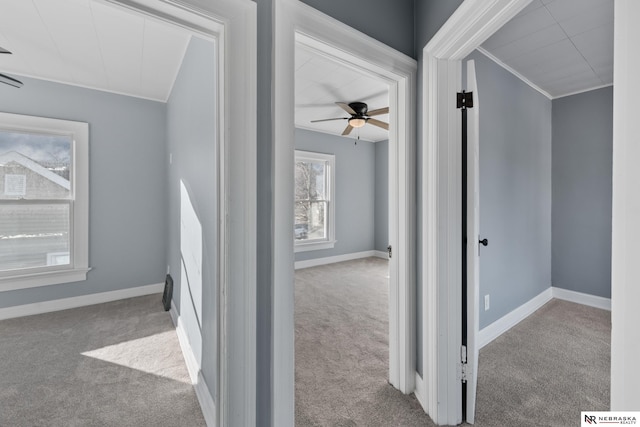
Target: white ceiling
x=321 y=82
x=559 y=46
x=92 y=44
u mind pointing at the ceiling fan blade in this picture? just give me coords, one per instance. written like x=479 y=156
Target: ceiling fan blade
x=10 y=81
x=326 y=120
x=346 y=107
x=3 y=50
x=377 y=112
x=378 y=123
x=347 y=130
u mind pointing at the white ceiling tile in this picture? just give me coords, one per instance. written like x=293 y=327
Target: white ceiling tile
x=520 y=27
x=77 y=43
x=596 y=45
x=164 y=48
x=575 y=50
x=121 y=50
x=30 y=41
x=530 y=43
x=587 y=19
x=535 y=4
x=565 y=9
x=549 y=57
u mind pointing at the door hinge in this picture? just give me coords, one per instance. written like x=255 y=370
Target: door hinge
x=389 y=250
x=463 y=368
x=464 y=99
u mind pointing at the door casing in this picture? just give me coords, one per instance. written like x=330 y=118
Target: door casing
x=439 y=389
x=295 y=21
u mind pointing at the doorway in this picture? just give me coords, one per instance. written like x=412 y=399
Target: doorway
x=471 y=25
x=298 y=22
x=341 y=238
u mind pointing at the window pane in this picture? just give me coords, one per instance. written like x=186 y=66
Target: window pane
x=302 y=181
x=301 y=225
x=318 y=179
x=35 y=166
x=317 y=223
x=310 y=221
x=33 y=235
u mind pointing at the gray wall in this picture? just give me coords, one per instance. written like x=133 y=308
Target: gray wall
x=390 y=22
x=515 y=189
x=381 y=216
x=191 y=141
x=126 y=171
x=355 y=191
x=581 y=213
x=264 y=239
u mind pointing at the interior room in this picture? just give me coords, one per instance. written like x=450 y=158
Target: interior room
x=545 y=105
x=342 y=275
x=159 y=266
x=147 y=91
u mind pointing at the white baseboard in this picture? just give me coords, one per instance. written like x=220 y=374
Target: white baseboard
x=79 y=301
x=502 y=325
x=207 y=404
x=338 y=258
x=381 y=254
x=581 y=298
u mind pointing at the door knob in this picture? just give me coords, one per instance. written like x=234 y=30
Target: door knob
x=484 y=242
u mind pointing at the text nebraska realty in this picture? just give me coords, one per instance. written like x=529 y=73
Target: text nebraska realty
x=592 y=419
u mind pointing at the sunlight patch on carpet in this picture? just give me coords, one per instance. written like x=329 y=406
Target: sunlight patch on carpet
x=148 y=354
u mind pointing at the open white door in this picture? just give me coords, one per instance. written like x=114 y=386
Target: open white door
x=473 y=230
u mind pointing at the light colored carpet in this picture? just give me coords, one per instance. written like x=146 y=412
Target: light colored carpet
x=544 y=371
x=114 y=364
x=547 y=369
x=341 y=318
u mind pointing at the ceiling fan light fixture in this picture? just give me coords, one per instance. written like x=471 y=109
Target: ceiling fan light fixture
x=357 y=122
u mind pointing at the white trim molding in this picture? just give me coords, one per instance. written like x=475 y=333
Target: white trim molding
x=511 y=319
x=206 y=401
x=339 y=258
x=470 y=25
x=625 y=251
x=514 y=72
x=79 y=301
x=582 y=298
x=296 y=22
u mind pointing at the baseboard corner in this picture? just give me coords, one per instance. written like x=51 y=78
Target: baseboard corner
x=511 y=319
x=582 y=298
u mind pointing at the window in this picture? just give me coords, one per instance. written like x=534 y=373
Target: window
x=314 y=214
x=43 y=201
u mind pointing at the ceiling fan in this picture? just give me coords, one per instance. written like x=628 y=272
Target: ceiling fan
x=360 y=116
x=6 y=79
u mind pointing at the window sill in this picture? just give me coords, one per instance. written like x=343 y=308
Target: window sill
x=32 y=280
x=314 y=246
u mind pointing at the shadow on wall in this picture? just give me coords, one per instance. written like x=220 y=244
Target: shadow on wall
x=191 y=272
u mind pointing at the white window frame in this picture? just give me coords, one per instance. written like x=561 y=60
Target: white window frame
x=79 y=205
x=330 y=241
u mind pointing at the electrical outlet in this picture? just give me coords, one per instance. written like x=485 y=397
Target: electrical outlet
x=486 y=302
x=168 y=269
